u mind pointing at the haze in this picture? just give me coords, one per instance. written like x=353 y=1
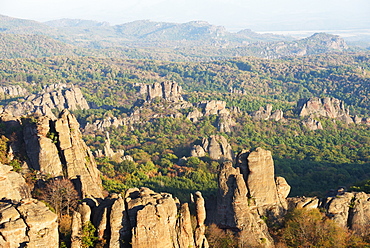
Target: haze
x=258 y=15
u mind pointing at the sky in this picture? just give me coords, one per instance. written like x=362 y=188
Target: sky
x=258 y=15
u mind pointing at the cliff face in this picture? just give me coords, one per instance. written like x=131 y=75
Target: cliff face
x=249 y=192
x=55 y=147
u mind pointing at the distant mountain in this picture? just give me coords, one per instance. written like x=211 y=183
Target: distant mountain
x=196 y=40
x=35 y=46
x=64 y=23
x=22 y=26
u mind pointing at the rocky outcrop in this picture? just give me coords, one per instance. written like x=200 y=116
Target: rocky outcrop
x=212 y=107
x=58 y=96
x=155 y=222
x=257 y=167
x=225 y=122
x=266 y=114
x=108 y=151
x=103 y=124
x=350 y=209
x=169 y=91
x=28 y=223
x=144 y=218
x=216 y=146
x=312 y=124
x=200 y=238
x=56 y=147
x=249 y=192
x=12 y=91
x=12 y=185
x=324 y=107
x=236 y=211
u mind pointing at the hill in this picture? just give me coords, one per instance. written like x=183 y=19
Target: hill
x=192 y=41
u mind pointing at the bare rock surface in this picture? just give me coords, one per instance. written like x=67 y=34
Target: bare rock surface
x=28 y=223
x=216 y=146
x=56 y=147
x=58 y=96
x=237 y=212
x=325 y=107
x=12 y=185
x=144 y=218
x=12 y=91
x=267 y=114
x=169 y=91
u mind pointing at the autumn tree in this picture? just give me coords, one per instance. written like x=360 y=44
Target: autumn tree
x=61 y=195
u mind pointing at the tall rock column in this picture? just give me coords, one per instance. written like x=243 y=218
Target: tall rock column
x=257 y=168
x=237 y=212
x=200 y=238
x=79 y=160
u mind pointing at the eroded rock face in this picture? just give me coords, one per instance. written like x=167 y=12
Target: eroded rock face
x=312 y=124
x=236 y=211
x=12 y=91
x=266 y=114
x=28 y=223
x=258 y=169
x=56 y=147
x=249 y=192
x=79 y=160
x=153 y=219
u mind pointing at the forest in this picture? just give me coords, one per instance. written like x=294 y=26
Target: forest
x=337 y=155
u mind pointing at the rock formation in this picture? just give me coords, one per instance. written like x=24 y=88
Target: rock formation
x=24 y=222
x=312 y=124
x=225 y=122
x=257 y=168
x=12 y=91
x=236 y=211
x=200 y=238
x=103 y=124
x=144 y=218
x=249 y=192
x=325 y=107
x=56 y=147
x=108 y=151
x=266 y=114
x=216 y=146
x=28 y=223
x=350 y=209
x=12 y=185
x=58 y=96
x=169 y=91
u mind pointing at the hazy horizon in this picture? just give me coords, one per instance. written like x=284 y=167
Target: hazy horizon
x=234 y=15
